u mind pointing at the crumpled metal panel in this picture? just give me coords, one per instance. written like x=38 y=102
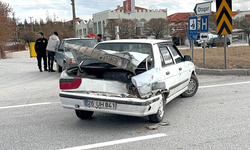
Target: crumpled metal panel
x=125 y=60
x=149 y=81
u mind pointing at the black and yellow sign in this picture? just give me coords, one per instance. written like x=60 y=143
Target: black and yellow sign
x=224 y=17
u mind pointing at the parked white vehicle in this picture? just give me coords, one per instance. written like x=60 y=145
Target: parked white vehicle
x=63 y=56
x=135 y=77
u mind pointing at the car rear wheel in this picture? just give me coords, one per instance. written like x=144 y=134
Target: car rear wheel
x=192 y=87
x=82 y=114
x=158 y=117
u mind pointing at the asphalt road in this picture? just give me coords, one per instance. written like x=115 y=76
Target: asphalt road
x=217 y=117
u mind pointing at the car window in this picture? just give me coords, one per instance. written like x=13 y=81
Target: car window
x=165 y=56
x=130 y=47
x=177 y=56
x=81 y=42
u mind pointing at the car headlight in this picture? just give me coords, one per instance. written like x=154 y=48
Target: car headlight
x=71 y=60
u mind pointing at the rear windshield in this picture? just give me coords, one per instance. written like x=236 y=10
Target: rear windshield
x=130 y=47
x=81 y=42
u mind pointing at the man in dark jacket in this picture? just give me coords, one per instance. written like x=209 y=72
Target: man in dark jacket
x=40 y=48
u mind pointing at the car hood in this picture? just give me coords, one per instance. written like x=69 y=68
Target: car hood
x=125 y=60
x=69 y=54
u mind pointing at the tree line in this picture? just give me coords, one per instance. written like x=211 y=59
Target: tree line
x=11 y=30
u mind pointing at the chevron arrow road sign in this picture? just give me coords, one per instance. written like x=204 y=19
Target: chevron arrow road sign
x=224 y=17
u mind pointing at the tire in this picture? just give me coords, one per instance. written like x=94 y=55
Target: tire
x=192 y=87
x=209 y=46
x=82 y=114
x=58 y=67
x=64 y=67
x=158 y=117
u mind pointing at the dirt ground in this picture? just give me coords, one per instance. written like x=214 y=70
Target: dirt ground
x=237 y=57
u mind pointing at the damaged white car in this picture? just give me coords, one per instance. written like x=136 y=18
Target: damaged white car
x=127 y=77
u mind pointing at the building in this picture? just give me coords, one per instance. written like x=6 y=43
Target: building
x=177 y=23
x=100 y=20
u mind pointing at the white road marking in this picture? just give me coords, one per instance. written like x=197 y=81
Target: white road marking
x=26 y=105
x=122 y=141
x=218 y=85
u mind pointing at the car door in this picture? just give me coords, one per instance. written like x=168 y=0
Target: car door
x=59 y=55
x=169 y=69
x=184 y=72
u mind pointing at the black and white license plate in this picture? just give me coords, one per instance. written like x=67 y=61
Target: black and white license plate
x=100 y=104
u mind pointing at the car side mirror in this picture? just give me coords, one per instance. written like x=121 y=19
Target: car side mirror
x=187 y=58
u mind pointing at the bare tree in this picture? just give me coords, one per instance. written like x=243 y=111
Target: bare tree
x=182 y=31
x=243 y=23
x=156 y=27
x=7 y=27
x=110 y=28
x=28 y=36
x=126 y=28
x=212 y=23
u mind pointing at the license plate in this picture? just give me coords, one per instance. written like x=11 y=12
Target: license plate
x=100 y=104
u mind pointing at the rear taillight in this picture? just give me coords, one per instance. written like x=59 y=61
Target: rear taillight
x=70 y=83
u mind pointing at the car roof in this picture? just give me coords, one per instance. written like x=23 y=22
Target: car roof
x=77 y=39
x=149 y=41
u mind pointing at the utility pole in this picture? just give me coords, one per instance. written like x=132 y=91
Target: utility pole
x=74 y=16
x=31 y=23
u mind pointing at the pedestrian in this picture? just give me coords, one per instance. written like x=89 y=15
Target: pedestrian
x=99 y=38
x=51 y=48
x=40 y=48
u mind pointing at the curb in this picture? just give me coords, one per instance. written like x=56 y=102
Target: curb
x=237 y=72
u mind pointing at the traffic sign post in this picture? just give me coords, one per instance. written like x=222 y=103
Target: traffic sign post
x=204 y=26
x=202 y=9
x=192 y=32
x=192 y=28
x=224 y=21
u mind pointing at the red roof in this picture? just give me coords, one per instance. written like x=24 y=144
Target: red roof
x=179 y=17
x=136 y=9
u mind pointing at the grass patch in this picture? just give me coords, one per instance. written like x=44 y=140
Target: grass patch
x=237 y=57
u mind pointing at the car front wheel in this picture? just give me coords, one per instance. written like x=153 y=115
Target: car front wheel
x=192 y=87
x=58 y=67
x=158 y=117
x=84 y=114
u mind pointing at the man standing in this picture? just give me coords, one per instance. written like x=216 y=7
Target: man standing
x=40 y=48
x=51 y=48
x=99 y=38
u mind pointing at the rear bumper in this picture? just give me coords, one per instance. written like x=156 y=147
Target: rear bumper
x=124 y=106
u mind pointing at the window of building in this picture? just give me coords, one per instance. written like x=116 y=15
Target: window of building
x=95 y=27
x=99 y=27
x=80 y=32
x=103 y=25
x=142 y=22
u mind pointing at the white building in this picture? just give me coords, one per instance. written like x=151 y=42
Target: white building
x=100 y=20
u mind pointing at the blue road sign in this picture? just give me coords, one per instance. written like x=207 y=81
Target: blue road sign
x=192 y=28
x=204 y=24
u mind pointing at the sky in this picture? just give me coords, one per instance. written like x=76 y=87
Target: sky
x=61 y=10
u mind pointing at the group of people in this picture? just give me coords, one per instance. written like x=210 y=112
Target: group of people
x=45 y=48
